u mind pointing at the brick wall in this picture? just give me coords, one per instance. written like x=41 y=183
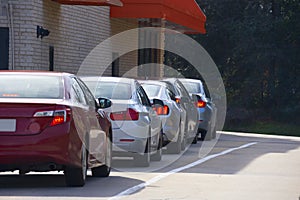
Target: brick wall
x=74 y=32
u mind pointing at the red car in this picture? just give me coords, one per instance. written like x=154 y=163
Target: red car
x=50 y=121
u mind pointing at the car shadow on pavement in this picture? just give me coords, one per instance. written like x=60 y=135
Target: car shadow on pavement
x=236 y=161
x=230 y=163
x=54 y=186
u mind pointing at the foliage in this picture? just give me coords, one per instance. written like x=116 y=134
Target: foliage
x=255 y=45
x=266 y=127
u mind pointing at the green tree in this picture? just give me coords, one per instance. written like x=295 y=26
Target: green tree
x=255 y=45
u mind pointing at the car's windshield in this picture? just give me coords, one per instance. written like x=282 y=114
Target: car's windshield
x=151 y=90
x=30 y=86
x=111 y=90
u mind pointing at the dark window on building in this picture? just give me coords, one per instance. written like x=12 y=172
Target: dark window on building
x=4 y=48
x=51 y=58
x=115 y=66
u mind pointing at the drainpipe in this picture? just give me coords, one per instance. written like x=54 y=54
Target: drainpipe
x=10 y=19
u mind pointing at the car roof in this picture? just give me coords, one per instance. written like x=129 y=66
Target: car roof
x=36 y=72
x=153 y=82
x=170 y=79
x=190 y=80
x=108 y=79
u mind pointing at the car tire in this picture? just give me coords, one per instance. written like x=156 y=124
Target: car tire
x=104 y=170
x=184 y=139
x=143 y=160
x=175 y=147
x=158 y=154
x=195 y=140
x=183 y=143
x=76 y=176
x=208 y=135
x=214 y=133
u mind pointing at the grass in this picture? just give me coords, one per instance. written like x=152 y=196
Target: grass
x=266 y=127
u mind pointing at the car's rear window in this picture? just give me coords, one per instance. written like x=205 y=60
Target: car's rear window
x=151 y=90
x=30 y=86
x=191 y=87
x=111 y=90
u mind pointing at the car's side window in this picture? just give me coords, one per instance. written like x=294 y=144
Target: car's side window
x=206 y=92
x=182 y=90
x=139 y=98
x=89 y=97
x=172 y=89
x=144 y=97
x=171 y=94
x=179 y=89
x=77 y=92
x=74 y=96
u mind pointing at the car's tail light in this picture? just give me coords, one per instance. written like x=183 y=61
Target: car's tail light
x=59 y=116
x=200 y=104
x=128 y=115
x=161 y=110
x=178 y=100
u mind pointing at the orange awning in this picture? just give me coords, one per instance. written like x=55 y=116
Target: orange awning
x=185 y=15
x=91 y=2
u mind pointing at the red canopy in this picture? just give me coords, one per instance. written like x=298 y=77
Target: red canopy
x=185 y=15
x=91 y=2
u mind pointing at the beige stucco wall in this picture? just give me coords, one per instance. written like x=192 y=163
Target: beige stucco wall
x=127 y=63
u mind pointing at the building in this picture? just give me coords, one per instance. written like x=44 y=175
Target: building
x=77 y=26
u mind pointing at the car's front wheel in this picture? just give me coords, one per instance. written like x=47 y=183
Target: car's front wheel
x=76 y=176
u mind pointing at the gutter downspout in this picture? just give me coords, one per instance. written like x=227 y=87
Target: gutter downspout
x=10 y=19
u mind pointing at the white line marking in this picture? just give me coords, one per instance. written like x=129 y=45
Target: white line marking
x=164 y=175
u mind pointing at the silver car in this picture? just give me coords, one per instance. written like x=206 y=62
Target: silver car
x=170 y=114
x=206 y=108
x=137 y=129
x=186 y=102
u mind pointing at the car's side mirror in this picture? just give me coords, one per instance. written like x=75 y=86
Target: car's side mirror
x=200 y=98
x=104 y=103
x=158 y=102
x=195 y=97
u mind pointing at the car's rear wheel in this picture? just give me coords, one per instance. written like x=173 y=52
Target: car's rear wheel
x=143 y=160
x=104 y=170
x=184 y=139
x=76 y=176
x=183 y=143
x=175 y=147
x=206 y=135
x=214 y=133
x=195 y=140
x=158 y=154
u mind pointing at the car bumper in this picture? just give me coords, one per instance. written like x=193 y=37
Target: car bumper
x=53 y=149
x=204 y=116
x=131 y=138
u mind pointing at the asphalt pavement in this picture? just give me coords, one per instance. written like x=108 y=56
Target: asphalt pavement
x=234 y=166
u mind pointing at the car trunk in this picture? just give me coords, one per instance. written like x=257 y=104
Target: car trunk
x=21 y=117
x=118 y=112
